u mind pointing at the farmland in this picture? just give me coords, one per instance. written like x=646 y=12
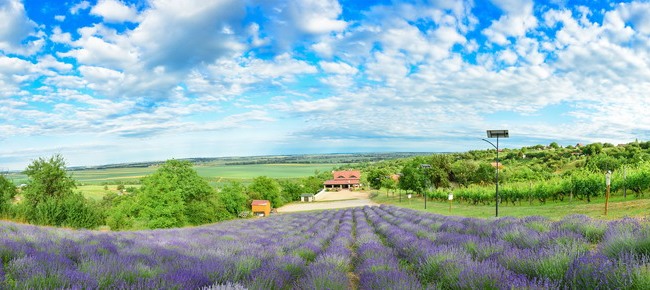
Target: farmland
x=132 y=175
x=360 y=248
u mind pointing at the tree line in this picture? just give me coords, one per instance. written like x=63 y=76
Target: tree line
x=536 y=173
x=173 y=196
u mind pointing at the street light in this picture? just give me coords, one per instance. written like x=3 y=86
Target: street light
x=608 y=182
x=425 y=166
x=496 y=134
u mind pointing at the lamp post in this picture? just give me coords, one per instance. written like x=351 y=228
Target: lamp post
x=496 y=134
x=425 y=166
x=608 y=182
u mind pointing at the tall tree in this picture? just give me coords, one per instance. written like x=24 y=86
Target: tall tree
x=413 y=177
x=175 y=195
x=267 y=188
x=233 y=195
x=49 y=197
x=7 y=194
x=47 y=178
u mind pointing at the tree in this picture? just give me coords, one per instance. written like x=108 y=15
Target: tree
x=312 y=184
x=439 y=171
x=264 y=187
x=592 y=149
x=554 y=145
x=49 y=198
x=413 y=177
x=375 y=176
x=602 y=162
x=7 y=194
x=291 y=191
x=47 y=178
x=175 y=195
x=234 y=198
x=464 y=171
x=389 y=184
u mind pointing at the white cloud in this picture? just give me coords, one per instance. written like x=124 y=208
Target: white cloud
x=49 y=62
x=163 y=39
x=337 y=67
x=254 y=30
x=508 y=57
x=518 y=20
x=636 y=13
x=322 y=105
x=16 y=27
x=59 y=18
x=83 y=5
x=115 y=11
x=232 y=77
x=316 y=16
x=59 y=36
x=101 y=46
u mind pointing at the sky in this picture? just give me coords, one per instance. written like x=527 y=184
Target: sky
x=114 y=81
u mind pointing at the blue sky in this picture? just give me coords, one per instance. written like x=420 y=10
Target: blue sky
x=114 y=81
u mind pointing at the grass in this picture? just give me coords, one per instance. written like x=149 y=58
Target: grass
x=618 y=207
x=269 y=170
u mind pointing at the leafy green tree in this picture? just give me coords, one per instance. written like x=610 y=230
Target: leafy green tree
x=389 y=184
x=49 y=198
x=602 y=162
x=312 y=184
x=175 y=195
x=592 y=149
x=266 y=188
x=234 y=198
x=554 y=145
x=464 y=171
x=7 y=194
x=47 y=178
x=485 y=174
x=375 y=176
x=413 y=178
x=162 y=202
x=291 y=191
x=123 y=210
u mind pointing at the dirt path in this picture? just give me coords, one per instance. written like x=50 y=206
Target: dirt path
x=331 y=200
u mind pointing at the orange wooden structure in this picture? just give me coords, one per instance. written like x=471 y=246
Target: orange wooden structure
x=261 y=207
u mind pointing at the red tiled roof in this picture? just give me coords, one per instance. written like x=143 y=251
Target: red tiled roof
x=260 y=202
x=341 y=181
x=346 y=174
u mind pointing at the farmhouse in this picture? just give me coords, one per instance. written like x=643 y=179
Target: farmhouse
x=261 y=207
x=348 y=179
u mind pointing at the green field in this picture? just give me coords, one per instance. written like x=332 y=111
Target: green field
x=132 y=175
x=280 y=171
x=91 y=182
x=619 y=207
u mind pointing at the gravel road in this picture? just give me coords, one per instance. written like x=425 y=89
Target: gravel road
x=331 y=200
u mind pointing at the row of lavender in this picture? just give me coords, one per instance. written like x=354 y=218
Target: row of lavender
x=289 y=251
x=530 y=253
x=369 y=248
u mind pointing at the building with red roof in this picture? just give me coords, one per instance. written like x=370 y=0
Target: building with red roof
x=348 y=179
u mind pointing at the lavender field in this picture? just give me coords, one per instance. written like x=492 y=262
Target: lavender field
x=359 y=248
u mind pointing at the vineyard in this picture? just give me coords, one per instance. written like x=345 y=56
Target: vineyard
x=361 y=248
